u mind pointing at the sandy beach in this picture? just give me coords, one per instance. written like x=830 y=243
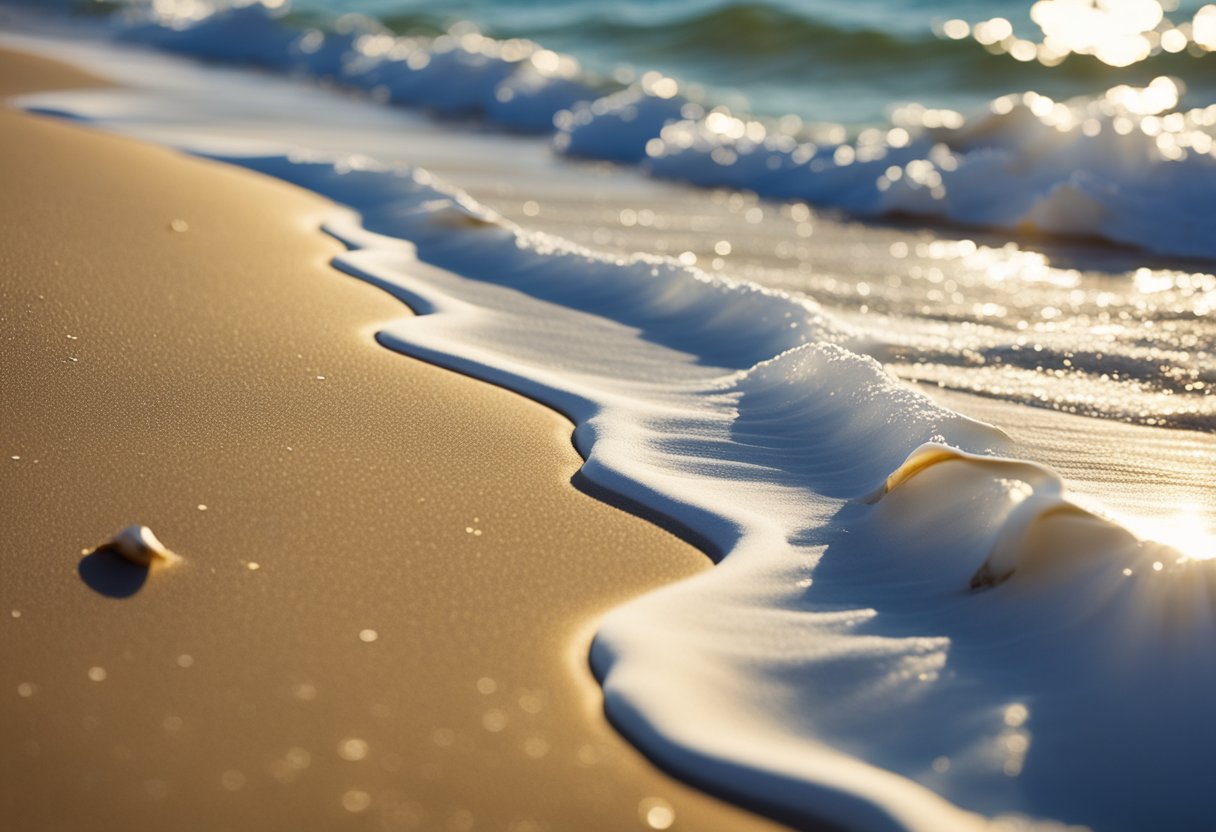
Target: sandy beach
x=570 y=415
x=389 y=584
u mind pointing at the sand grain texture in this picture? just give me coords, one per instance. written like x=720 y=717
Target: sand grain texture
x=340 y=647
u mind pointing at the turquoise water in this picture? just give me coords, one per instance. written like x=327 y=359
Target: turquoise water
x=819 y=59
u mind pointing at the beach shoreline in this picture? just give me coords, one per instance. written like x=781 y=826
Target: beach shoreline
x=370 y=627
x=753 y=372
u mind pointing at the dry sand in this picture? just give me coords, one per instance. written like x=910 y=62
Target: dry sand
x=389 y=584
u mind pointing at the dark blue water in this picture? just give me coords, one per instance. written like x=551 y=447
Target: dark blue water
x=823 y=60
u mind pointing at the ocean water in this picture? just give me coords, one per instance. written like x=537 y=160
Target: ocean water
x=851 y=63
x=1122 y=158
x=909 y=627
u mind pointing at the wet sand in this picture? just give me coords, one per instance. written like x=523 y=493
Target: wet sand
x=389 y=583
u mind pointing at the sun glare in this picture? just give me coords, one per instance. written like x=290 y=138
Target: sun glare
x=1190 y=529
x=1116 y=32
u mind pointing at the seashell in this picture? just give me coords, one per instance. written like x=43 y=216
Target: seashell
x=935 y=453
x=140 y=546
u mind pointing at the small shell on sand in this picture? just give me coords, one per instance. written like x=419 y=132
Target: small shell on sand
x=140 y=546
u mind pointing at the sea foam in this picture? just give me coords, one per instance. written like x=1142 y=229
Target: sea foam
x=905 y=630
x=515 y=83
x=1129 y=167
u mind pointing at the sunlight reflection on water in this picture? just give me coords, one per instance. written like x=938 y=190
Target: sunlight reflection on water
x=1117 y=32
x=1191 y=529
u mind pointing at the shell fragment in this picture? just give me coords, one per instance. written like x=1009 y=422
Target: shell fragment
x=140 y=546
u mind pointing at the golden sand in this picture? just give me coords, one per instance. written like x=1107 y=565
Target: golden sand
x=388 y=585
